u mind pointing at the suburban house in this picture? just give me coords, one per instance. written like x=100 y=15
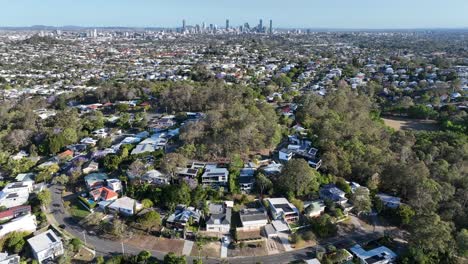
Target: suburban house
x=103 y=194
x=14 y=212
x=389 y=201
x=114 y=184
x=281 y=208
x=155 y=177
x=95 y=180
x=246 y=179
x=90 y=166
x=9 y=259
x=214 y=176
x=46 y=246
x=331 y=192
x=24 y=177
x=253 y=218
x=26 y=223
x=301 y=151
x=182 y=215
x=219 y=219
x=380 y=255
x=187 y=173
x=15 y=194
x=124 y=205
x=13 y=199
x=314 y=208
x=14 y=187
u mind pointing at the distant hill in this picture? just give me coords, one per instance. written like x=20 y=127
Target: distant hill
x=36 y=39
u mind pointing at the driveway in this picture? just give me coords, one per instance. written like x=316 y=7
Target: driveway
x=224 y=247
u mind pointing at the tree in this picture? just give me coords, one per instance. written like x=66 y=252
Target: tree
x=406 y=213
x=172 y=258
x=118 y=227
x=298 y=178
x=150 y=220
x=46 y=173
x=111 y=162
x=144 y=256
x=136 y=169
x=262 y=183
x=431 y=237
x=171 y=162
x=343 y=185
x=462 y=242
x=76 y=244
x=147 y=203
x=61 y=179
x=361 y=200
x=44 y=197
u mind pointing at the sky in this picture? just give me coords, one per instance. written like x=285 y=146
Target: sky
x=358 y=14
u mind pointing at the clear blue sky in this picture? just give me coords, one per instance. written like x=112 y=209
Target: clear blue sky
x=293 y=13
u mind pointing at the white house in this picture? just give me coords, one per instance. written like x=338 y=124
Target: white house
x=314 y=208
x=215 y=177
x=46 y=246
x=125 y=206
x=286 y=154
x=389 y=201
x=25 y=223
x=9 y=259
x=380 y=255
x=281 y=208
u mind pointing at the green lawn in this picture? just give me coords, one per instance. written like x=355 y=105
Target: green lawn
x=78 y=211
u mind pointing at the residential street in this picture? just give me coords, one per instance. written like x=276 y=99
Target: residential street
x=109 y=247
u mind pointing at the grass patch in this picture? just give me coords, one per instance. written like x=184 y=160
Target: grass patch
x=78 y=211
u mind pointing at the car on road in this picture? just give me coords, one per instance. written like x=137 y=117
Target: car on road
x=225 y=240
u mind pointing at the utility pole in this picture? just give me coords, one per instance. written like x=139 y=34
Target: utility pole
x=123 y=251
x=84 y=236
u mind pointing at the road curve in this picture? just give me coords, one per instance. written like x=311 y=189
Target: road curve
x=107 y=247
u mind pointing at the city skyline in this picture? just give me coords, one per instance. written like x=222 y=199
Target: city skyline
x=360 y=14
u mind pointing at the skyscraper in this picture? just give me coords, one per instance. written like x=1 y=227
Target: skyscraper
x=270 y=30
x=183 y=24
x=227 y=23
x=260 y=25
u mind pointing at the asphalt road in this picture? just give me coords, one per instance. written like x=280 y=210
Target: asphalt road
x=106 y=247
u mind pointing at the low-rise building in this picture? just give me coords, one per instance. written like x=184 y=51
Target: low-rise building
x=14 y=212
x=26 y=223
x=103 y=194
x=253 y=218
x=332 y=193
x=219 y=219
x=215 y=177
x=314 y=208
x=389 y=201
x=125 y=206
x=246 y=179
x=182 y=215
x=9 y=259
x=380 y=255
x=281 y=208
x=95 y=180
x=46 y=246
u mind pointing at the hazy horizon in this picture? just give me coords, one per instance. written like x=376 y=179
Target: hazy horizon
x=318 y=14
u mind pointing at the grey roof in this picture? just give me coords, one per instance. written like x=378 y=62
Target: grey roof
x=218 y=219
x=43 y=241
x=252 y=214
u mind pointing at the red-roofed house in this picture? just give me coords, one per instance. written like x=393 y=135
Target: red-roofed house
x=66 y=154
x=15 y=212
x=103 y=194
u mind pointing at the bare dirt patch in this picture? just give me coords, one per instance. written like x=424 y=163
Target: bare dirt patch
x=157 y=243
x=411 y=124
x=254 y=248
x=212 y=250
